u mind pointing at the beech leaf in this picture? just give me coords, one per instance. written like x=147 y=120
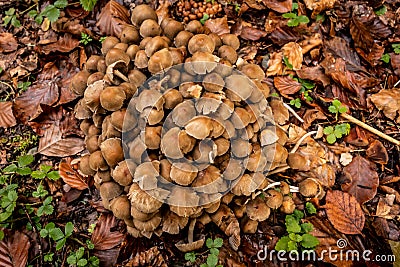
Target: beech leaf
x=71 y=176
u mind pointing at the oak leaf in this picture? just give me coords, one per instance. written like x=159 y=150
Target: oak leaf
x=344 y=212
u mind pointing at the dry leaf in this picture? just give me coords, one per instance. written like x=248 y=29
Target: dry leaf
x=279 y=6
x=340 y=49
x=8 y=43
x=150 y=257
x=281 y=36
x=102 y=237
x=388 y=100
x=14 y=249
x=362 y=179
x=344 y=212
x=64 y=44
x=384 y=206
x=71 y=176
x=293 y=52
x=251 y=33
x=275 y=65
x=7 y=118
x=315 y=74
x=286 y=85
x=112 y=17
x=319 y=6
x=311 y=115
x=377 y=152
x=281 y=114
x=218 y=26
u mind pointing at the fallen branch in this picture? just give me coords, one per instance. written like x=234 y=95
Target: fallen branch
x=369 y=128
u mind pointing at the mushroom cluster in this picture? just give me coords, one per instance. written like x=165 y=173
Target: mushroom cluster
x=175 y=133
x=192 y=10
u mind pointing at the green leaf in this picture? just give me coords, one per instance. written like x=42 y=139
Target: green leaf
x=204 y=265
x=45 y=168
x=32 y=13
x=214 y=251
x=381 y=11
x=10 y=168
x=295 y=237
x=48 y=257
x=88 y=5
x=320 y=17
x=38 y=175
x=342 y=109
x=45 y=210
x=307 y=84
x=39 y=19
x=303 y=19
x=80 y=252
x=331 y=138
x=282 y=243
x=10 y=12
x=298 y=215
x=5 y=215
x=287 y=63
x=309 y=241
x=218 y=242
x=50 y=226
x=25 y=160
x=292 y=224
x=190 y=256
x=338 y=132
x=328 y=130
x=12 y=196
x=53 y=175
x=72 y=259
x=289 y=15
x=292 y=246
x=396 y=48
x=44 y=233
x=209 y=242
x=48 y=200
x=60 y=3
x=56 y=234
x=333 y=109
x=1 y=235
x=94 y=261
x=212 y=260
x=82 y=262
x=204 y=18
x=293 y=23
x=40 y=192
x=24 y=171
x=307 y=227
x=310 y=208
x=7 y=20
x=60 y=243
x=295 y=6
x=89 y=244
x=51 y=12
x=69 y=228
x=385 y=58
x=336 y=103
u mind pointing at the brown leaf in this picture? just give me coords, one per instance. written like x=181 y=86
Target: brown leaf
x=64 y=44
x=281 y=36
x=218 y=25
x=112 y=17
x=315 y=74
x=294 y=54
x=395 y=62
x=53 y=144
x=340 y=49
x=251 y=33
x=362 y=178
x=14 y=249
x=311 y=115
x=357 y=137
x=279 y=6
x=7 y=118
x=281 y=114
x=344 y=212
x=275 y=65
x=366 y=27
x=375 y=54
x=8 y=43
x=286 y=85
x=388 y=100
x=319 y=6
x=377 y=152
x=71 y=176
x=102 y=237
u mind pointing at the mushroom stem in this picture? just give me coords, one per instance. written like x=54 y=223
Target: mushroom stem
x=121 y=75
x=191 y=230
x=293 y=112
x=301 y=141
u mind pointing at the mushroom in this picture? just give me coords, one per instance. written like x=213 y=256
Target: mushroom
x=193 y=26
x=171 y=137
x=79 y=82
x=183 y=173
x=257 y=209
x=199 y=127
x=171 y=27
x=202 y=62
x=152 y=137
x=141 y=13
x=253 y=71
x=122 y=173
x=91 y=63
x=110 y=190
x=201 y=43
x=209 y=181
x=155 y=44
x=132 y=51
x=184 y=201
x=274 y=198
x=150 y=28
x=136 y=77
x=182 y=38
x=227 y=222
x=173 y=223
x=150 y=98
x=97 y=162
x=288 y=205
x=190 y=246
x=112 y=152
x=159 y=61
x=240 y=148
x=129 y=34
x=115 y=54
x=92 y=94
x=92 y=143
x=239 y=85
x=249 y=226
x=213 y=82
x=142 y=201
x=122 y=120
x=84 y=166
x=172 y=98
x=233 y=170
x=223 y=146
x=149 y=225
x=121 y=207
x=108 y=43
x=146 y=175
x=141 y=216
x=165 y=170
x=183 y=113
x=228 y=53
x=231 y=40
x=245 y=185
x=112 y=98
x=186 y=142
x=310 y=188
x=94 y=77
x=141 y=59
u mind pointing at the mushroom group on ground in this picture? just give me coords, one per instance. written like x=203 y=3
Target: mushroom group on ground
x=176 y=134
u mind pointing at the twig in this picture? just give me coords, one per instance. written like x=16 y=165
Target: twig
x=294 y=149
x=397 y=83
x=278 y=170
x=9 y=85
x=371 y=129
x=293 y=112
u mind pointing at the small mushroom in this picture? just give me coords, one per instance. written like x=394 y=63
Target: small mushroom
x=213 y=82
x=223 y=146
x=171 y=137
x=92 y=94
x=122 y=173
x=183 y=113
x=209 y=181
x=141 y=13
x=121 y=207
x=228 y=53
x=84 y=166
x=112 y=98
x=233 y=169
x=245 y=186
x=155 y=44
x=249 y=226
x=152 y=137
x=310 y=188
x=141 y=216
x=79 y=82
x=171 y=27
x=159 y=61
x=150 y=28
x=199 y=127
x=239 y=85
x=115 y=54
x=274 y=198
x=136 y=77
x=201 y=43
x=92 y=143
x=112 y=152
x=97 y=162
x=122 y=120
x=231 y=40
x=183 y=173
x=132 y=51
x=203 y=62
x=110 y=190
x=142 y=201
x=122 y=46
x=257 y=210
x=193 y=26
x=240 y=148
x=150 y=98
x=253 y=71
x=146 y=175
x=190 y=246
x=288 y=205
x=172 y=98
x=165 y=170
x=149 y=225
x=182 y=38
x=94 y=77
x=173 y=223
x=186 y=142
x=188 y=200
x=129 y=34
x=108 y=43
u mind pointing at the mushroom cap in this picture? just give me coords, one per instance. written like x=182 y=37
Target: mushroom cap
x=97 y=162
x=239 y=85
x=233 y=169
x=172 y=223
x=112 y=98
x=240 y=148
x=142 y=200
x=146 y=175
x=171 y=27
x=245 y=185
x=108 y=43
x=149 y=225
x=199 y=127
x=253 y=71
x=186 y=142
x=141 y=59
x=136 y=77
x=165 y=170
x=122 y=173
x=172 y=98
x=141 y=13
x=122 y=120
x=152 y=137
x=187 y=200
x=160 y=60
x=202 y=62
x=84 y=165
x=213 y=82
x=92 y=143
x=274 y=198
x=208 y=181
x=182 y=38
x=91 y=63
x=112 y=151
x=155 y=44
x=116 y=54
x=168 y=144
x=223 y=145
x=141 y=216
x=150 y=98
x=310 y=187
x=121 y=207
x=228 y=53
x=257 y=210
x=288 y=205
x=110 y=190
x=268 y=137
x=249 y=226
x=150 y=28
x=91 y=98
x=79 y=82
x=231 y=40
x=193 y=26
x=132 y=50
x=183 y=113
x=186 y=247
x=94 y=77
x=201 y=43
x=183 y=173
x=129 y=34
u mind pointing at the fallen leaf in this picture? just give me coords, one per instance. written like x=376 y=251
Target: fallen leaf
x=374 y=55
x=384 y=206
x=340 y=49
x=150 y=257
x=275 y=65
x=103 y=238
x=311 y=115
x=286 y=85
x=281 y=114
x=344 y=212
x=14 y=249
x=163 y=10
x=71 y=176
x=64 y=44
x=218 y=26
x=8 y=43
x=362 y=179
x=315 y=74
x=357 y=137
x=377 y=152
x=388 y=100
x=7 y=118
x=281 y=36
x=251 y=33
x=395 y=62
x=319 y=6
x=112 y=17
x=279 y=6
x=293 y=52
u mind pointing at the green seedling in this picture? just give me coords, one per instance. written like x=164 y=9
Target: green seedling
x=380 y=11
x=333 y=133
x=204 y=18
x=213 y=249
x=295 y=20
x=337 y=108
x=88 y=5
x=77 y=258
x=85 y=39
x=56 y=234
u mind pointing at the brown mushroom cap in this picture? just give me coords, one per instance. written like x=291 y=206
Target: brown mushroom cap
x=150 y=98
x=172 y=98
x=150 y=28
x=193 y=26
x=160 y=60
x=94 y=77
x=122 y=173
x=208 y=181
x=202 y=62
x=245 y=186
x=311 y=187
x=141 y=216
x=231 y=40
x=183 y=113
x=116 y=54
x=110 y=190
x=188 y=198
x=183 y=173
x=253 y=71
x=112 y=151
x=186 y=247
x=132 y=51
x=84 y=166
x=122 y=46
x=172 y=223
x=171 y=137
x=213 y=82
x=182 y=38
x=155 y=44
x=239 y=85
x=97 y=162
x=186 y=142
x=129 y=34
x=146 y=175
x=112 y=98
x=121 y=207
x=91 y=63
x=136 y=77
x=288 y=205
x=92 y=143
x=171 y=27
x=240 y=148
x=143 y=201
x=274 y=198
x=249 y=226
x=108 y=43
x=92 y=94
x=141 y=13
x=228 y=53
x=199 y=127
x=257 y=210
x=79 y=82
x=149 y=225
x=152 y=137
x=201 y=43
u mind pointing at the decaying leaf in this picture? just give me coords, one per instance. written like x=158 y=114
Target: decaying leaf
x=340 y=48
x=112 y=17
x=8 y=43
x=275 y=65
x=279 y=6
x=344 y=212
x=280 y=36
x=7 y=118
x=281 y=114
x=362 y=179
x=319 y=6
x=226 y=220
x=286 y=85
x=64 y=44
x=71 y=176
x=103 y=238
x=377 y=152
x=293 y=52
x=14 y=249
x=311 y=115
x=315 y=74
x=218 y=26
x=388 y=100
x=310 y=43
